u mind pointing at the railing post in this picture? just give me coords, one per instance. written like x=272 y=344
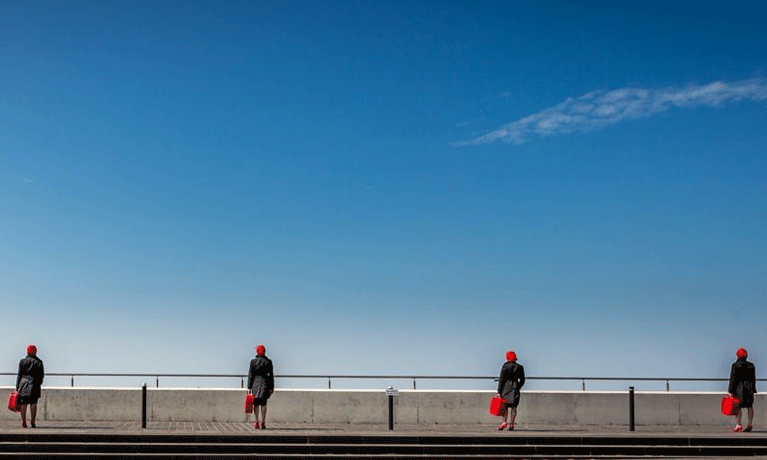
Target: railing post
x=583 y=384
x=143 y=405
x=328 y=383
x=242 y=382
x=414 y=383
x=73 y=381
x=668 y=386
x=631 y=408
x=157 y=385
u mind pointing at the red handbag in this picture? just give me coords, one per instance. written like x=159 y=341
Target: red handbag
x=730 y=405
x=498 y=406
x=249 y=398
x=13 y=401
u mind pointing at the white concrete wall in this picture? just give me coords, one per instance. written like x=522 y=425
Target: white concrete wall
x=366 y=406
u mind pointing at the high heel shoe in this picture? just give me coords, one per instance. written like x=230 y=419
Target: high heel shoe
x=748 y=428
x=502 y=426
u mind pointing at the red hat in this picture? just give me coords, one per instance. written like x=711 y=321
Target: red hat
x=511 y=356
x=31 y=350
x=260 y=350
x=741 y=353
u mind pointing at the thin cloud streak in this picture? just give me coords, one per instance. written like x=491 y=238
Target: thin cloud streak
x=599 y=109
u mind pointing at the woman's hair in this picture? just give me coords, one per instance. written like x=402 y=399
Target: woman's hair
x=260 y=350
x=511 y=356
x=31 y=350
x=741 y=353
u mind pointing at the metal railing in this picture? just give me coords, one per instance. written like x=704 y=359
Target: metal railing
x=414 y=378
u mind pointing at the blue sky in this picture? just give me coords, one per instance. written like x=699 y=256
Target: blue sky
x=384 y=187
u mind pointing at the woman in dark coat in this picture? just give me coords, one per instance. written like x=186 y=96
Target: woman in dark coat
x=260 y=384
x=28 y=383
x=743 y=386
x=511 y=380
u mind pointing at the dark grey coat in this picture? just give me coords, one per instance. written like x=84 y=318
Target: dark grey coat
x=30 y=377
x=261 y=377
x=510 y=381
x=743 y=382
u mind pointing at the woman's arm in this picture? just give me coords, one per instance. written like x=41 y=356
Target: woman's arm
x=270 y=378
x=251 y=375
x=733 y=383
x=501 y=379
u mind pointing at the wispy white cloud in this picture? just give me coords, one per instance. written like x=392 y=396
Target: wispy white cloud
x=598 y=109
x=28 y=179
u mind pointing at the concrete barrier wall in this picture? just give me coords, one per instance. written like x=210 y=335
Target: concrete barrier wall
x=365 y=406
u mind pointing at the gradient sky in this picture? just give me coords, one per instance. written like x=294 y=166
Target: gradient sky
x=384 y=187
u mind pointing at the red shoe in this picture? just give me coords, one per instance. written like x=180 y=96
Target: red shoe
x=737 y=428
x=746 y=429
x=502 y=426
x=255 y=426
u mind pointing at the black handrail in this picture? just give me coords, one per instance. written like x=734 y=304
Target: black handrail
x=414 y=378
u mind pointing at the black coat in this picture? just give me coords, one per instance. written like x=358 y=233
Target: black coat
x=261 y=377
x=511 y=380
x=30 y=377
x=743 y=382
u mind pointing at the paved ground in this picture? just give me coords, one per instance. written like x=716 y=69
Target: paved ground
x=351 y=429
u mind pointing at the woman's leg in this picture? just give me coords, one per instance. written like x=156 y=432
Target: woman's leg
x=33 y=413
x=503 y=416
x=263 y=417
x=750 y=416
x=23 y=412
x=255 y=416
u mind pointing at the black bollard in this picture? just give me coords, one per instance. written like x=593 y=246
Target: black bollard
x=631 y=408
x=391 y=393
x=143 y=405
